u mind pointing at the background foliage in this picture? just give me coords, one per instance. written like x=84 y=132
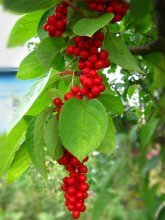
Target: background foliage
x=128 y=184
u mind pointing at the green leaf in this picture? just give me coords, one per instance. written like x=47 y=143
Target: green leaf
x=30 y=67
x=24 y=29
x=112 y=103
x=9 y=145
x=48 y=50
x=157 y=61
x=109 y=143
x=25 y=6
x=19 y=164
x=88 y=26
x=82 y=126
x=51 y=138
x=42 y=34
x=34 y=138
x=119 y=53
x=29 y=100
x=131 y=90
x=147 y=130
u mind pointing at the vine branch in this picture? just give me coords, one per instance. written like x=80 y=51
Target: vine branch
x=159 y=44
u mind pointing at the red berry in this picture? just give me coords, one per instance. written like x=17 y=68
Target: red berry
x=79 y=206
x=75 y=214
x=107 y=63
x=90 y=96
x=70 y=50
x=85 y=195
x=57 y=102
x=71 y=190
x=88 y=83
x=84 y=91
x=81 y=65
x=76 y=52
x=71 y=181
x=93 y=50
x=93 y=58
x=98 y=80
x=84 y=54
x=68 y=95
x=100 y=8
x=95 y=91
x=64 y=187
x=102 y=87
x=103 y=55
x=71 y=207
x=85 y=159
x=100 y=64
x=79 y=195
x=83 y=208
x=83 y=187
x=93 y=73
x=75 y=90
x=83 y=169
x=72 y=199
x=82 y=178
x=77 y=39
x=88 y=64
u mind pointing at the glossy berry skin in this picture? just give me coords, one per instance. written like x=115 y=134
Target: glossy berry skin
x=75 y=214
x=75 y=90
x=57 y=102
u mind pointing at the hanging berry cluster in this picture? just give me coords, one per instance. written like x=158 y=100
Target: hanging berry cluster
x=56 y=24
x=74 y=186
x=91 y=58
x=118 y=7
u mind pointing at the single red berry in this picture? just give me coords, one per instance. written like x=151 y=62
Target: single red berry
x=84 y=54
x=88 y=83
x=84 y=91
x=64 y=187
x=79 y=195
x=71 y=181
x=93 y=73
x=75 y=90
x=100 y=8
x=83 y=169
x=93 y=58
x=71 y=190
x=79 y=206
x=92 y=6
x=86 y=71
x=93 y=50
x=95 y=91
x=107 y=63
x=81 y=65
x=72 y=199
x=57 y=102
x=85 y=195
x=98 y=80
x=100 y=64
x=77 y=39
x=58 y=33
x=76 y=52
x=83 y=208
x=102 y=87
x=74 y=161
x=88 y=64
x=103 y=55
x=90 y=96
x=75 y=214
x=83 y=187
x=68 y=95
x=70 y=50
x=82 y=178
x=71 y=207
x=65 y=180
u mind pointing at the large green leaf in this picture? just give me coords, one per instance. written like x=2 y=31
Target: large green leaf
x=24 y=6
x=35 y=141
x=112 y=103
x=119 y=53
x=147 y=130
x=19 y=164
x=109 y=143
x=30 y=67
x=51 y=138
x=9 y=144
x=88 y=26
x=24 y=29
x=29 y=100
x=82 y=126
x=48 y=50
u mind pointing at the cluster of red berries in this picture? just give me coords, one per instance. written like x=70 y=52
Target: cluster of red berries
x=118 y=7
x=56 y=23
x=74 y=186
x=91 y=59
